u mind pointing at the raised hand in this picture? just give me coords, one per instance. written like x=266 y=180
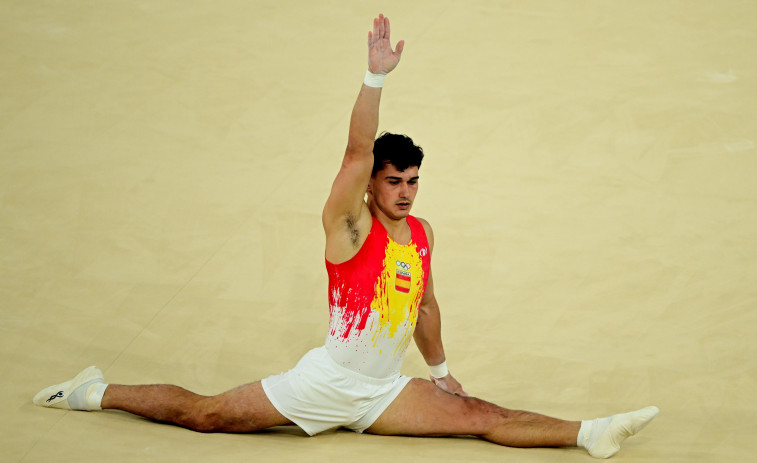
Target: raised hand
x=381 y=58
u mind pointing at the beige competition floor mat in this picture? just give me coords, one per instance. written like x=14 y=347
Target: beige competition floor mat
x=591 y=176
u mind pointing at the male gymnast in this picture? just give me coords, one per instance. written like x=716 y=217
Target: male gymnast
x=381 y=294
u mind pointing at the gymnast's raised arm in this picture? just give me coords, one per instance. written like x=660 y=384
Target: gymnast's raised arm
x=346 y=218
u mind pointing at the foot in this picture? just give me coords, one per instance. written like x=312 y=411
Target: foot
x=620 y=428
x=71 y=395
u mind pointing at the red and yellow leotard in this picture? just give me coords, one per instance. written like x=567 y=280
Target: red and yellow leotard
x=374 y=299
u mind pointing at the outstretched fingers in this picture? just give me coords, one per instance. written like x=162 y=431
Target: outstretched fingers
x=381 y=58
x=376 y=30
x=381 y=28
x=387 y=35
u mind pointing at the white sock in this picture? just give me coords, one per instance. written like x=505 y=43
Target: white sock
x=88 y=396
x=591 y=430
x=602 y=437
x=94 y=395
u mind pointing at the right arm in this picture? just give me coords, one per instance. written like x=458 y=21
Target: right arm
x=345 y=216
x=346 y=199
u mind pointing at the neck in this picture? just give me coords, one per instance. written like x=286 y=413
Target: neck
x=397 y=229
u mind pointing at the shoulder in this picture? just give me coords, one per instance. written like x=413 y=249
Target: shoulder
x=428 y=230
x=347 y=235
x=424 y=222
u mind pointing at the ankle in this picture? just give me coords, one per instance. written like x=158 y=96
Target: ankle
x=94 y=396
x=590 y=432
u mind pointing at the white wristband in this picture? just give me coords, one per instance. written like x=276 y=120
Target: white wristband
x=374 y=80
x=439 y=371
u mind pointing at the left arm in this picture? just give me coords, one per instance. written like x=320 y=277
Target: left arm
x=428 y=330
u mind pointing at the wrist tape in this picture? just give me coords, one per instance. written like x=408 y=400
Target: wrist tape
x=439 y=371
x=374 y=80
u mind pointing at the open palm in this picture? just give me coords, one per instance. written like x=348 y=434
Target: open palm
x=381 y=58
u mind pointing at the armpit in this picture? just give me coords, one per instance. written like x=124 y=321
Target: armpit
x=354 y=234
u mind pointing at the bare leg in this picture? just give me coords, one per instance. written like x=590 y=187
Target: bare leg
x=244 y=409
x=423 y=409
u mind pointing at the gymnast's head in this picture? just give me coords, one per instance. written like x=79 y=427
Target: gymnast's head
x=394 y=180
x=397 y=150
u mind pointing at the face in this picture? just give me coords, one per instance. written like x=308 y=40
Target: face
x=393 y=192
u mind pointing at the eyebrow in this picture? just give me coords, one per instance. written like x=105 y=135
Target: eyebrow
x=391 y=177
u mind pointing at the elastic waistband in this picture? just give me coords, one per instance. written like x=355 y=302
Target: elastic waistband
x=324 y=353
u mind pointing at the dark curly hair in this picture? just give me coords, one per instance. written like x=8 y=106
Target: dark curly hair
x=397 y=150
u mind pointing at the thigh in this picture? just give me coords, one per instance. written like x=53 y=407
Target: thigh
x=245 y=409
x=422 y=409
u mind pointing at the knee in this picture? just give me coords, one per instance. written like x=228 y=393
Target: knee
x=205 y=424
x=204 y=418
x=485 y=416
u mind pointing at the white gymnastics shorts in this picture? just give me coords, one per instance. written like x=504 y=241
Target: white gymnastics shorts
x=318 y=394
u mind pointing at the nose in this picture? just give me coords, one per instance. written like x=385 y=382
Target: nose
x=403 y=189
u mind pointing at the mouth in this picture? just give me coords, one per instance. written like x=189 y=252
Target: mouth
x=403 y=205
